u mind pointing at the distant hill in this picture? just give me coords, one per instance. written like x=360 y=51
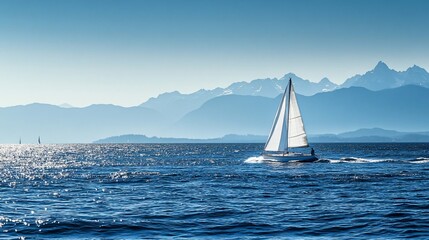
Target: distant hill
x=229 y=114
x=366 y=132
x=372 y=135
x=75 y=125
x=361 y=135
x=65 y=105
x=404 y=109
x=231 y=138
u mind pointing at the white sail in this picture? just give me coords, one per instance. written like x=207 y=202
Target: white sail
x=288 y=128
x=296 y=132
x=277 y=140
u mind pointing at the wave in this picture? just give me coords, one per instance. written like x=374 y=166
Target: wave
x=420 y=160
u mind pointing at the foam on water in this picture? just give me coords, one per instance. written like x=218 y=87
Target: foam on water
x=363 y=160
x=258 y=159
x=373 y=160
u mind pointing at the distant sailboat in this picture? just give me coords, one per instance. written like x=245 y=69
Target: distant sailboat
x=19 y=140
x=38 y=140
x=287 y=131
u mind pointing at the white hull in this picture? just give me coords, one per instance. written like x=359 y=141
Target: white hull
x=299 y=157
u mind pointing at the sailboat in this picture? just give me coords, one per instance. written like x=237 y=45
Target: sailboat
x=38 y=140
x=287 y=131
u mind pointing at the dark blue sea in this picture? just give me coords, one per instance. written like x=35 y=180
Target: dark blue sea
x=212 y=191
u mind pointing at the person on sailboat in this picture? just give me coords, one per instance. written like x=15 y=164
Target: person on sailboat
x=312 y=152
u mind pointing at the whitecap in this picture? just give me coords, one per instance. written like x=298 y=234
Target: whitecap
x=420 y=160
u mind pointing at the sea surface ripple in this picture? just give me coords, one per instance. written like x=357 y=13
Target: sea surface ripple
x=209 y=191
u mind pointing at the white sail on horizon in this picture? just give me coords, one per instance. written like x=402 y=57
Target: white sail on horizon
x=288 y=128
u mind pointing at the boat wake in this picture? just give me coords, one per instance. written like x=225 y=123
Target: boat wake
x=355 y=160
x=374 y=160
x=259 y=159
x=361 y=160
x=419 y=160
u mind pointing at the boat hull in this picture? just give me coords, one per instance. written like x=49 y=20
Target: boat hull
x=296 y=157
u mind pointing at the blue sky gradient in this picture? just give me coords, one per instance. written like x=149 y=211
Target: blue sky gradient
x=123 y=52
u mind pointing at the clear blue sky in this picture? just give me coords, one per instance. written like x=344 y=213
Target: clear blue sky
x=123 y=52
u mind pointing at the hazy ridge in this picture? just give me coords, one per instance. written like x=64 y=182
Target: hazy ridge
x=361 y=135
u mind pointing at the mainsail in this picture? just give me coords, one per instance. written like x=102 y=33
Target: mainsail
x=288 y=128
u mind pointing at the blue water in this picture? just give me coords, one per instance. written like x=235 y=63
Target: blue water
x=225 y=191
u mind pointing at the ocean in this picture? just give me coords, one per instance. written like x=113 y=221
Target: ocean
x=213 y=191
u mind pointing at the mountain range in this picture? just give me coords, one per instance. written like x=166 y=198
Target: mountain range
x=175 y=105
x=382 y=77
x=243 y=108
